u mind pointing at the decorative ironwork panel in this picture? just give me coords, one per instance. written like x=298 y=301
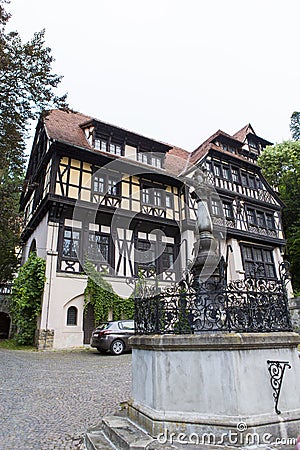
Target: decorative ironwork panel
x=276 y=370
x=250 y=305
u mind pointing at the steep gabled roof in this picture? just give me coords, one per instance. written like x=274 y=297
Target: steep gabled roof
x=204 y=147
x=242 y=134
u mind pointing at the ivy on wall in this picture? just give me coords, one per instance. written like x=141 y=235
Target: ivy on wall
x=26 y=301
x=100 y=294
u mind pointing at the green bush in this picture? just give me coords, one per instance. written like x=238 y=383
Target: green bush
x=25 y=304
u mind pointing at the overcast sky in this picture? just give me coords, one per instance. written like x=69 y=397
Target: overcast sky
x=174 y=70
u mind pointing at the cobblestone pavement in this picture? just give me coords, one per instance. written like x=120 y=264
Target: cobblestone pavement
x=48 y=400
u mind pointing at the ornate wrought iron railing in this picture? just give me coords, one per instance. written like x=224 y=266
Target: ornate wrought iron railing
x=249 y=305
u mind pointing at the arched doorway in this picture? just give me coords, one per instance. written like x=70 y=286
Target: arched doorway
x=32 y=248
x=88 y=323
x=4 y=325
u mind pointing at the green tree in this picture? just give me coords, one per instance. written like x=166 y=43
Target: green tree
x=295 y=125
x=26 y=89
x=281 y=166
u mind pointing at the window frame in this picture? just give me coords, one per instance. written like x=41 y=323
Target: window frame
x=150 y=158
x=153 y=193
x=265 y=262
x=71 y=256
x=75 y=309
x=106 y=185
x=108 y=146
x=109 y=244
x=230 y=209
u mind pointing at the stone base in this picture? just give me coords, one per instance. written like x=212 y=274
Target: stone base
x=209 y=390
x=44 y=339
x=215 y=383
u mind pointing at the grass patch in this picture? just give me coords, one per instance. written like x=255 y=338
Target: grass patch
x=11 y=344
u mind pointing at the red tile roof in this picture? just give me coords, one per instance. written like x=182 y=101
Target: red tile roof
x=65 y=127
x=242 y=134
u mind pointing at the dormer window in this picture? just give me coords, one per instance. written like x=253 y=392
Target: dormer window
x=156 y=162
x=143 y=157
x=253 y=145
x=101 y=144
x=148 y=158
x=226 y=147
x=115 y=149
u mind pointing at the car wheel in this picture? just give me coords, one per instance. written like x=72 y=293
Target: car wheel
x=117 y=347
x=100 y=350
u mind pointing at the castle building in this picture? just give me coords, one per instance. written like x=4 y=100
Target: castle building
x=98 y=192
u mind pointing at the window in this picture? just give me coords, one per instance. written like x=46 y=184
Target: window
x=216 y=208
x=251 y=182
x=72 y=316
x=71 y=243
x=226 y=172
x=209 y=166
x=270 y=221
x=157 y=197
x=235 y=175
x=106 y=185
x=146 y=196
x=253 y=144
x=149 y=257
x=112 y=187
x=151 y=196
x=228 y=212
x=143 y=157
x=251 y=216
x=258 y=262
x=99 y=247
x=260 y=217
x=244 y=179
x=146 y=158
x=156 y=162
x=167 y=258
x=115 y=149
x=102 y=144
x=99 y=184
x=169 y=200
x=217 y=170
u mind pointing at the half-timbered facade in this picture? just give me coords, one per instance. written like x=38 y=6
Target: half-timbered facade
x=101 y=193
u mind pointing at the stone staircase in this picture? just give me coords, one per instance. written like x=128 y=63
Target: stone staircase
x=120 y=433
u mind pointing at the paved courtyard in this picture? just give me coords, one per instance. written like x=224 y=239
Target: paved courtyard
x=48 y=400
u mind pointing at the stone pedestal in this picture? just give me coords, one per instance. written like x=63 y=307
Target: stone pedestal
x=216 y=383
